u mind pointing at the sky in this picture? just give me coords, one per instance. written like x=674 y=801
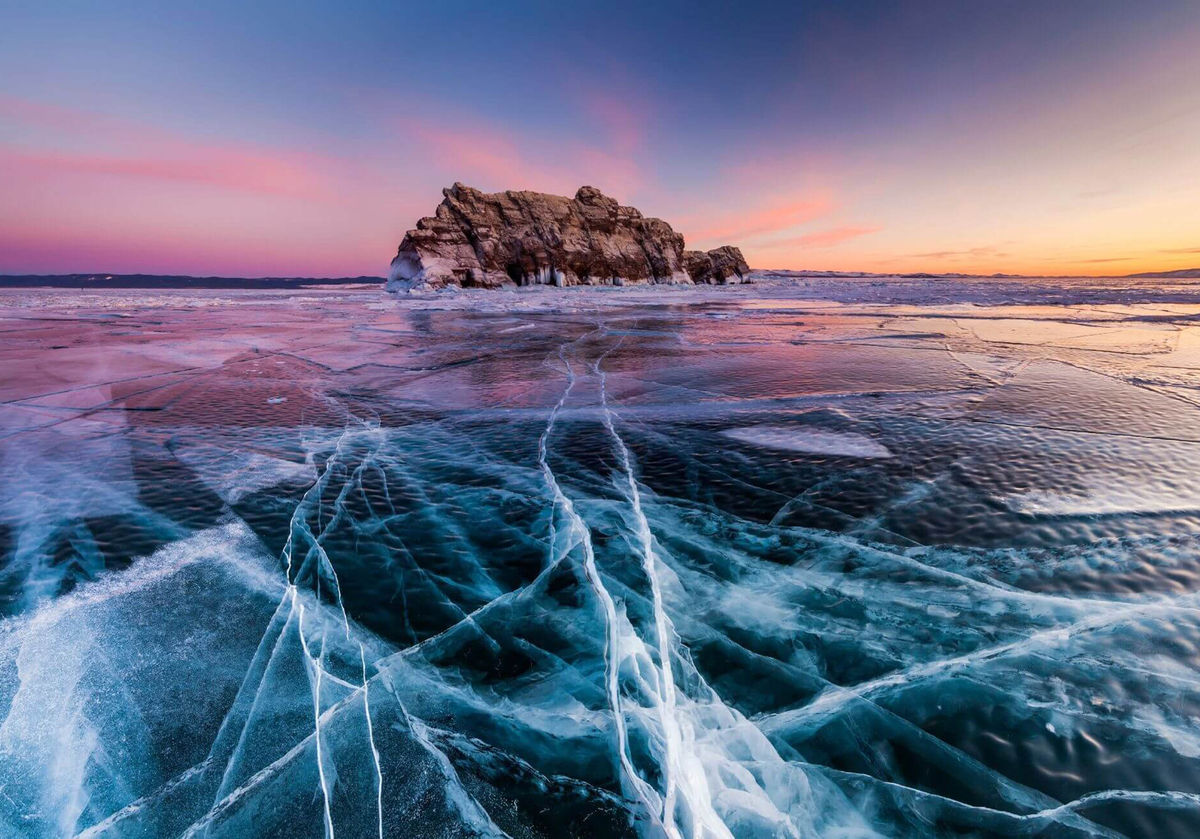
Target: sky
x=303 y=138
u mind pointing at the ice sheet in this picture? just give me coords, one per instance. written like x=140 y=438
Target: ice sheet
x=815 y=560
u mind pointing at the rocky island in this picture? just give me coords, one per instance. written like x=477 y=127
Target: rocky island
x=516 y=238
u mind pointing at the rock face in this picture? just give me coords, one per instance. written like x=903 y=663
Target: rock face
x=482 y=240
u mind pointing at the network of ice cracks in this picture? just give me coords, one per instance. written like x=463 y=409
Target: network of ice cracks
x=569 y=701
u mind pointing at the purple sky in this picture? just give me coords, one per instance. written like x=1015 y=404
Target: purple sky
x=304 y=138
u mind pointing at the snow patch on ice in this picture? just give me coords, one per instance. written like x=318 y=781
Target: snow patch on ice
x=236 y=474
x=1099 y=502
x=809 y=440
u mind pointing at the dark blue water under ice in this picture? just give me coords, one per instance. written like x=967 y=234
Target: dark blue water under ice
x=304 y=569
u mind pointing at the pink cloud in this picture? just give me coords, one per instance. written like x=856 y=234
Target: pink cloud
x=822 y=238
x=215 y=166
x=168 y=249
x=980 y=252
x=129 y=149
x=87 y=191
x=764 y=167
x=480 y=152
x=770 y=219
x=492 y=158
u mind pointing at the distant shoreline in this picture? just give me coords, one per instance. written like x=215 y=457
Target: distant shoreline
x=87 y=282
x=97 y=281
x=1180 y=274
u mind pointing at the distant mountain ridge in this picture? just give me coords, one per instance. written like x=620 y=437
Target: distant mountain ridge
x=1181 y=274
x=90 y=281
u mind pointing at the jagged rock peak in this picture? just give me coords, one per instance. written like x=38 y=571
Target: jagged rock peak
x=488 y=240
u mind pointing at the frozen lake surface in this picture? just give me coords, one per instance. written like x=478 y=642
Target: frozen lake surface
x=847 y=560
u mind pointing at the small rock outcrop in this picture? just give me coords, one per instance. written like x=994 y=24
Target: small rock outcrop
x=487 y=240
